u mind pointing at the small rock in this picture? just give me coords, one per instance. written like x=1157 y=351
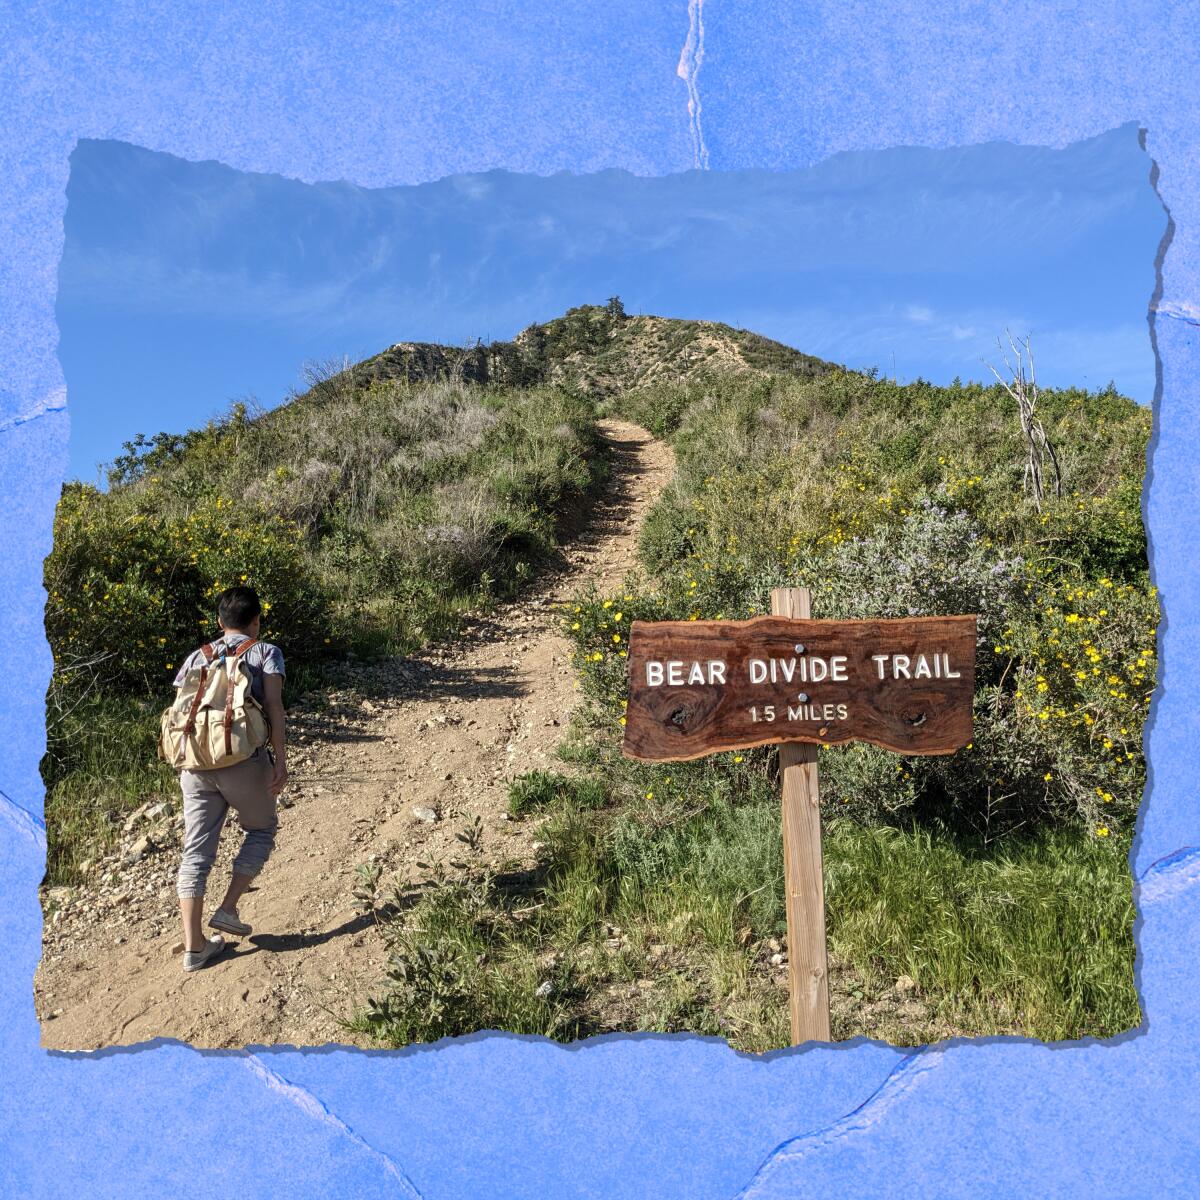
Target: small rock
x=776 y=960
x=135 y=816
x=906 y=983
x=177 y=948
x=160 y=835
x=138 y=851
x=544 y=989
x=426 y=815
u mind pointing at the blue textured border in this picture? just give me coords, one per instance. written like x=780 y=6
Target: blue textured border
x=408 y=91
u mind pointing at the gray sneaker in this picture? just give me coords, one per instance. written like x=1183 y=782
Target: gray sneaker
x=229 y=923
x=193 y=960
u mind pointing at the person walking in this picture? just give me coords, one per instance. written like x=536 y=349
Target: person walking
x=249 y=786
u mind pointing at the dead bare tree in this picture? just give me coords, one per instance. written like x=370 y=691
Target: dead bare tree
x=1022 y=387
x=464 y=356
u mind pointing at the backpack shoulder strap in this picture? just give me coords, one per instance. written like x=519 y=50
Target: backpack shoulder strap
x=234 y=656
x=189 y=726
x=209 y=651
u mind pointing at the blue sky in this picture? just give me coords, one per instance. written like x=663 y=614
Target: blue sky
x=185 y=286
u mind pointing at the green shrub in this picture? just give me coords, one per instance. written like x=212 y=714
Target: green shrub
x=542 y=789
x=131 y=589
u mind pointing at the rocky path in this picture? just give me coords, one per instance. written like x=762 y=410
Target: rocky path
x=392 y=765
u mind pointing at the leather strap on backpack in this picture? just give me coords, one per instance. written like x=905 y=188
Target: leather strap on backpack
x=209 y=652
x=237 y=653
x=189 y=726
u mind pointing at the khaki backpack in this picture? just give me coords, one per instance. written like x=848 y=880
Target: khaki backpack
x=215 y=721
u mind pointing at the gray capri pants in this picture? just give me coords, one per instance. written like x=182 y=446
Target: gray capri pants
x=207 y=798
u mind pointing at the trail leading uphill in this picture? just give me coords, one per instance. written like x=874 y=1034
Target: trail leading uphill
x=442 y=732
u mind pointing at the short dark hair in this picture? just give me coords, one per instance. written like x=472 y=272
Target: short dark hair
x=237 y=607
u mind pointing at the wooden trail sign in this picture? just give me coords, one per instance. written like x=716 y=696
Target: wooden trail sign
x=699 y=687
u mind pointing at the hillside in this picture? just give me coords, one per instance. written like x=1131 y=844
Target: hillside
x=396 y=502
x=598 y=351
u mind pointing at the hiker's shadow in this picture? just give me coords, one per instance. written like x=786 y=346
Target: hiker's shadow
x=287 y=943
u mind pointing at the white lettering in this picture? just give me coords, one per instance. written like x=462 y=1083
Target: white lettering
x=819 y=669
x=900 y=666
x=716 y=671
x=922 y=669
x=837 y=668
x=841 y=712
x=675 y=674
x=879 y=660
x=949 y=673
x=758 y=670
x=654 y=674
x=696 y=674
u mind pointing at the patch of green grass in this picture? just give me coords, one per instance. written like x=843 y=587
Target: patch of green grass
x=102 y=758
x=541 y=789
x=1034 y=936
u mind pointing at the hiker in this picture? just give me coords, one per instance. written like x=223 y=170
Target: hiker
x=248 y=786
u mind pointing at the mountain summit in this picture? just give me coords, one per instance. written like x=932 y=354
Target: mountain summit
x=598 y=350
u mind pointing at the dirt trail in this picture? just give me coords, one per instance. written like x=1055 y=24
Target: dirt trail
x=444 y=731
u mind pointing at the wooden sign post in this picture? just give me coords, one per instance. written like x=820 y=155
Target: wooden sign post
x=803 y=873
x=698 y=687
